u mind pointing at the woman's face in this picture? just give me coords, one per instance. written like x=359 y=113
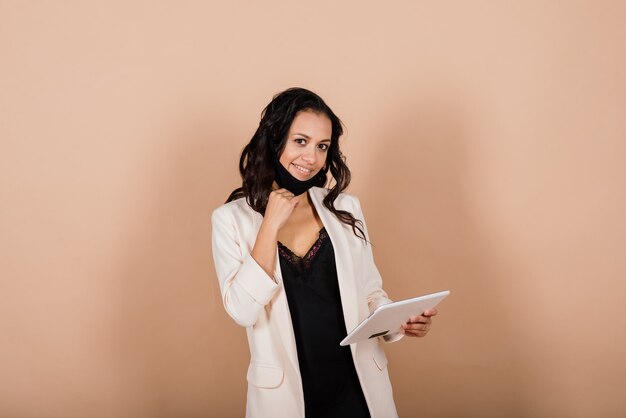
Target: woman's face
x=307 y=144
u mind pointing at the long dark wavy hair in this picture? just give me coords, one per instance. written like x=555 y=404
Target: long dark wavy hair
x=256 y=164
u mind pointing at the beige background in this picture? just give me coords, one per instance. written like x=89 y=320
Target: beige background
x=487 y=142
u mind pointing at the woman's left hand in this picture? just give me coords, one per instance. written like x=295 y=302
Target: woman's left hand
x=419 y=325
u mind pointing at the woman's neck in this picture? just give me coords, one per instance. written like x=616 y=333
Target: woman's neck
x=304 y=201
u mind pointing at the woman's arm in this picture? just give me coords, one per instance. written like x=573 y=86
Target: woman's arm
x=247 y=281
x=245 y=286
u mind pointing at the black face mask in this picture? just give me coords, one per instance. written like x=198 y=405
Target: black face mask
x=289 y=182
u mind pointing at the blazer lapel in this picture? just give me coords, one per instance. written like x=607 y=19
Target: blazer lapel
x=343 y=258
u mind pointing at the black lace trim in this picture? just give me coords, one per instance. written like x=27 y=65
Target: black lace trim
x=304 y=262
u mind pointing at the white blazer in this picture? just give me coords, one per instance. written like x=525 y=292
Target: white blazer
x=259 y=304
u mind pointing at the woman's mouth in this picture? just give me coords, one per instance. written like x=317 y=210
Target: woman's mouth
x=302 y=169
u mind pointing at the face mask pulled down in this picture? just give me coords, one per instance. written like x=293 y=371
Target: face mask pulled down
x=287 y=181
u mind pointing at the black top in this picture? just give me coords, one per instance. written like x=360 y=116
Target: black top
x=331 y=385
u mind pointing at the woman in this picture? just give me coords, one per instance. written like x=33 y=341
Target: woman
x=296 y=269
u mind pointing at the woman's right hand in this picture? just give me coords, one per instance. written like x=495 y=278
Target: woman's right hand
x=280 y=206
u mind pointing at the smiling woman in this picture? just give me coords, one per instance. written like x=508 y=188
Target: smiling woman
x=296 y=269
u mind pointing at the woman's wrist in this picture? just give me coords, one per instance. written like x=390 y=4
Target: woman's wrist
x=264 y=250
x=268 y=231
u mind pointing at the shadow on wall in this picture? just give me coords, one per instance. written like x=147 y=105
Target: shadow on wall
x=426 y=239
x=179 y=352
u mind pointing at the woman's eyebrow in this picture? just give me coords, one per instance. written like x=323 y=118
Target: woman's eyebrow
x=308 y=137
x=304 y=135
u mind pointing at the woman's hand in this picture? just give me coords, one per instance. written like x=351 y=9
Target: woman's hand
x=280 y=206
x=419 y=325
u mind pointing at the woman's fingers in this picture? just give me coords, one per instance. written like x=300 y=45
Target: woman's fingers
x=283 y=195
x=280 y=205
x=282 y=192
x=419 y=319
x=279 y=194
x=416 y=330
x=430 y=312
x=419 y=325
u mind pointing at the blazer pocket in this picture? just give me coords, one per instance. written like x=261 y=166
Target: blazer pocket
x=380 y=358
x=264 y=375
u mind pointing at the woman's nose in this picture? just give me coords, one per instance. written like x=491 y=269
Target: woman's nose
x=309 y=156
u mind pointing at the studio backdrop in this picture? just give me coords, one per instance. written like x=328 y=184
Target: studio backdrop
x=487 y=143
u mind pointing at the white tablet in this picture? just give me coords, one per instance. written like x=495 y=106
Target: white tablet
x=388 y=319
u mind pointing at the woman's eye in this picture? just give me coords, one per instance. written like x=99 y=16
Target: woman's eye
x=323 y=147
x=300 y=141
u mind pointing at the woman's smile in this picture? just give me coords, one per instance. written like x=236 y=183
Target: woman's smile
x=302 y=169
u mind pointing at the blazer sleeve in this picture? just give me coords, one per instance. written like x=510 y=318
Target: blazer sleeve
x=245 y=287
x=376 y=296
